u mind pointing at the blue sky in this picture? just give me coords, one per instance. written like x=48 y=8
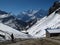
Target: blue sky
x=16 y=6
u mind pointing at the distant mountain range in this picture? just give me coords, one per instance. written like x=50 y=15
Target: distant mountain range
x=38 y=21
x=22 y=21
x=32 y=14
x=11 y=20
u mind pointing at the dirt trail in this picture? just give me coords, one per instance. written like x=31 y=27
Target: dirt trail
x=17 y=43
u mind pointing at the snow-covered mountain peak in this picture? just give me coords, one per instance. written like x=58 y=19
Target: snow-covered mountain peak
x=29 y=11
x=52 y=21
x=3 y=12
x=27 y=15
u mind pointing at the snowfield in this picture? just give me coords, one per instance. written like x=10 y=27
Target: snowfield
x=7 y=31
x=52 y=21
x=36 y=31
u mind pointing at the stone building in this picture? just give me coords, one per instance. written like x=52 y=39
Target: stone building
x=52 y=32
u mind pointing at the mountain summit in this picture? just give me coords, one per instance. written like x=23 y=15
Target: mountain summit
x=27 y=15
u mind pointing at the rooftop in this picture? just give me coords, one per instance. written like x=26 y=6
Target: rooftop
x=53 y=30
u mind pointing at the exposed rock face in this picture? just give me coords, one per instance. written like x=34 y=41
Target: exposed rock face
x=11 y=21
x=55 y=6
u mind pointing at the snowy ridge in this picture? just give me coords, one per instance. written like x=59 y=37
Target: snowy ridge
x=32 y=14
x=36 y=31
x=6 y=34
x=39 y=30
x=10 y=30
x=4 y=16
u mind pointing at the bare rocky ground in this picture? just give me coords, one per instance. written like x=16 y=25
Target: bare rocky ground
x=44 y=41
